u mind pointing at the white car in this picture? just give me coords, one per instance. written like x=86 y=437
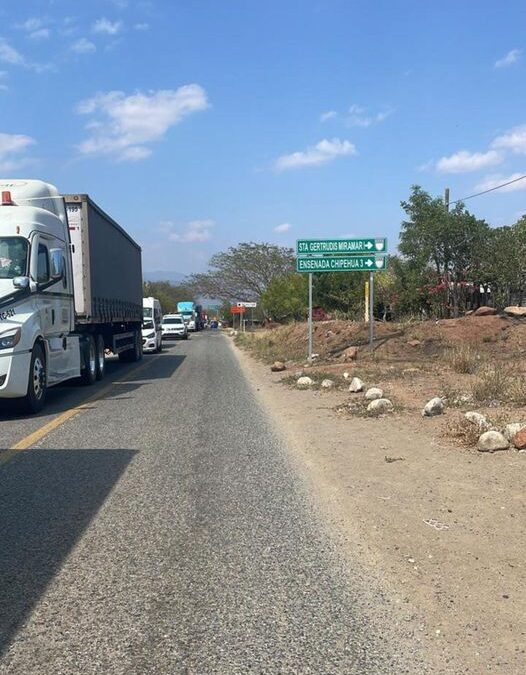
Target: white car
x=173 y=326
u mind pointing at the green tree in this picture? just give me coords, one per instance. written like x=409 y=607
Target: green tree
x=168 y=294
x=340 y=291
x=448 y=242
x=243 y=272
x=286 y=297
x=503 y=263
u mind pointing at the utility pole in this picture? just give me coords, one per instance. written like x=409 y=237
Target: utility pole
x=446 y=199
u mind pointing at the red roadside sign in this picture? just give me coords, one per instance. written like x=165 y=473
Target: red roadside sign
x=238 y=310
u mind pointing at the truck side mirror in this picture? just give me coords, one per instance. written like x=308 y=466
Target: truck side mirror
x=57 y=263
x=21 y=282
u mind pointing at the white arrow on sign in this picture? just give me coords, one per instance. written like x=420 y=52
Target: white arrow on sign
x=369 y=262
x=368 y=245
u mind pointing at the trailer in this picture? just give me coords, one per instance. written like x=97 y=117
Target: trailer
x=70 y=290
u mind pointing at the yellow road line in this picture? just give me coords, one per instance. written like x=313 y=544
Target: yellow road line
x=39 y=434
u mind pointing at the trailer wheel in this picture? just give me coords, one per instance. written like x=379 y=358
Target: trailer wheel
x=35 y=398
x=135 y=353
x=89 y=372
x=101 y=358
x=137 y=350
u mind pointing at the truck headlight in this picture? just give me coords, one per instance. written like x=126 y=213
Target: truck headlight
x=10 y=338
x=149 y=336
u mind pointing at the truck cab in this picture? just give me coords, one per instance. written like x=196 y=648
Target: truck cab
x=36 y=290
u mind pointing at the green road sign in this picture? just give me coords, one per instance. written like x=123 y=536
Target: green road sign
x=349 y=246
x=356 y=263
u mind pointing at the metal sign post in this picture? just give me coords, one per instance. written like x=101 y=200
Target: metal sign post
x=309 y=355
x=371 y=309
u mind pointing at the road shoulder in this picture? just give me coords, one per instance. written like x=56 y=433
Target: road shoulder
x=441 y=529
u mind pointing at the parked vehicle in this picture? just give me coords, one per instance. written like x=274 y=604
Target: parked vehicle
x=152 y=335
x=70 y=288
x=189 y=314
x=174 y=326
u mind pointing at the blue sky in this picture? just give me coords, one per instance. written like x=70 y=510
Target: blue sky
x=198 y=124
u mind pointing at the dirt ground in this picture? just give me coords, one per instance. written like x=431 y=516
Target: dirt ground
x=442 y=524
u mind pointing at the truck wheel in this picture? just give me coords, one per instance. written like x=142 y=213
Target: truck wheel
x=101 y=358
x=89 y=372
x=35 y=398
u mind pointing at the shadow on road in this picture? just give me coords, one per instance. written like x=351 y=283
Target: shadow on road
x=72 y=393
x=47 y=499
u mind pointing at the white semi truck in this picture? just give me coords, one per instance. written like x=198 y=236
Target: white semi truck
x=70 y=289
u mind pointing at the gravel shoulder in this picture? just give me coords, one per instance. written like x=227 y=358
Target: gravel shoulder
x=441 y=528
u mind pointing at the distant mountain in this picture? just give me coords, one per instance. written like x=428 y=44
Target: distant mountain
x=159 y=275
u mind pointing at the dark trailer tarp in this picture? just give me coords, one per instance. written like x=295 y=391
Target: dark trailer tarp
x=107 y=267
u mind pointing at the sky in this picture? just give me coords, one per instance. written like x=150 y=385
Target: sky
x=199 y=124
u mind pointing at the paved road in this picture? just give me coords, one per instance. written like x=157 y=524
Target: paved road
x=163 y=530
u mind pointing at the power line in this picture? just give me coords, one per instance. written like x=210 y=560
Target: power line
x=484 y=192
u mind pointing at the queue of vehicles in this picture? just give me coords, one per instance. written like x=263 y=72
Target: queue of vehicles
x=70 y=292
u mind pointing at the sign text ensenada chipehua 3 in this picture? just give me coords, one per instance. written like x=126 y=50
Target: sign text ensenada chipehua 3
x=357 y=263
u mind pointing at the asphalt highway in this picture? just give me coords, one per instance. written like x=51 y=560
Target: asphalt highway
x=162 y=529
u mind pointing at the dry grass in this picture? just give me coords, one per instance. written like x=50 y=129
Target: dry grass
x=496 y=383
x=270 y=346
x=463 y=359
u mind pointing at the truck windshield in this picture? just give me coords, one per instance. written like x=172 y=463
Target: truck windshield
x=13 y=257
x=147 y=312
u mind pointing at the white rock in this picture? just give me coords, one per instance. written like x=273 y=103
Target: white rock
x=478 y=419
x=374 y=393
x=346 y=376
x=491 y=441
x=380 y=405
x=511 y=429
x=356 y=385
x=433 y=407
x=327 y=384
x=304 y=381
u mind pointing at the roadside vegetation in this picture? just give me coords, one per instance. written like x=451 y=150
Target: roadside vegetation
x=448 y=262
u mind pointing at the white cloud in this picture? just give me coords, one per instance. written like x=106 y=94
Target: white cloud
x=514 y=140
x=464 y=161
x=3 y=85
x=330 y=114
x=195 y=231
x=83 y=46
x=125 y=124
x=495 y=180
x=511 y=57
x=426 y=166
x=30 y=25
x=284 y=227
x=359 y=118
x=10 y=55
x=142 y=26
x=11 y=147
x=322 y=153
x=106 y=26
x=40 y=34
